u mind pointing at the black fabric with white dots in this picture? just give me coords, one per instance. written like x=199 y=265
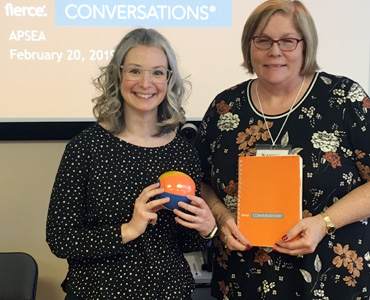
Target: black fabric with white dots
x=98 y=181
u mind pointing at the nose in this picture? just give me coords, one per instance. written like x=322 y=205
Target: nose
x=275 y=49
x=146 y=79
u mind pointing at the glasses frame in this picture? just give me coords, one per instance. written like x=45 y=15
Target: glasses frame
x=277 y=42
x=169 y=74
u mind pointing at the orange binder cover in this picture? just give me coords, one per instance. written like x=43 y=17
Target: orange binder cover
x=269 y=197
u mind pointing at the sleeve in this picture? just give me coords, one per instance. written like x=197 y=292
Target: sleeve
x=190 y=240
x=357 y=118
x=68 y=232
x=203 y=144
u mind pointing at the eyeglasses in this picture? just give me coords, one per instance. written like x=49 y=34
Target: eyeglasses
x=157 y=75
x=286 y=44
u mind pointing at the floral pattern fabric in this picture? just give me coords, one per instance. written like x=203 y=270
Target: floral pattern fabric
x=330 y=129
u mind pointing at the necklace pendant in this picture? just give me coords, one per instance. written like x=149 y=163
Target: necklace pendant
x=286 y=118
x=272 y=150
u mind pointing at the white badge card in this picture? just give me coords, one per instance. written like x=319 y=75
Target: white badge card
x=269 y=150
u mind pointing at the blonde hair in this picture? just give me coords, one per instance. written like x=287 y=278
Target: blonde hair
x=303 y=21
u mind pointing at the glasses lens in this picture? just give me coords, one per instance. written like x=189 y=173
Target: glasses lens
x=133 y=73
x=262 y=43
x=287 y=44
x=159 y=75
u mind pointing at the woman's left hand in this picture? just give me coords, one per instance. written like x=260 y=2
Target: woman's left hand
x=303 y=238
x=201 y=217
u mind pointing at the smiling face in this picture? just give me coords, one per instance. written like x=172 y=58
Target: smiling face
x=143 y=95
x=274 y=66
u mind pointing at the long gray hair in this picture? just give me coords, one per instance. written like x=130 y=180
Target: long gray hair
x=109 y=104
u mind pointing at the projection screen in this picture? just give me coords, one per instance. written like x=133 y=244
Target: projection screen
x=51 y=50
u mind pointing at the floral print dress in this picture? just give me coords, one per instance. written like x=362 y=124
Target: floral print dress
x=330 y=129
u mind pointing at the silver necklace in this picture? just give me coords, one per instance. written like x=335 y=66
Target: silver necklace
x=286 y=119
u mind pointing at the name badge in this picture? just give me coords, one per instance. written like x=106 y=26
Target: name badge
x=269 y=150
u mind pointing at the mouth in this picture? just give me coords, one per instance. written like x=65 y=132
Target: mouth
x=145 y=96
x=274 y=66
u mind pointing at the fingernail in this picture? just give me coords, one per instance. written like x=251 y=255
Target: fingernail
x=284 y=238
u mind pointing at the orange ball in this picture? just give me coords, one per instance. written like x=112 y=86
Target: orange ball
x=177 y=185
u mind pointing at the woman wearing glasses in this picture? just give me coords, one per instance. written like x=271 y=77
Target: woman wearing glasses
x=104 y=215
x=321 y=117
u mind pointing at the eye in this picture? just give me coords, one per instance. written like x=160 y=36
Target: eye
x=263 y=40
x=288 y=41
x=159 y=72
x=134 y=71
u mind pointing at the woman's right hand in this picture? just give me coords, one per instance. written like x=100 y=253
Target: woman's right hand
x=145 y=212
x=230 y=233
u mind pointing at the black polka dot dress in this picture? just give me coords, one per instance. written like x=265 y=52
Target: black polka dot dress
x=98 y=181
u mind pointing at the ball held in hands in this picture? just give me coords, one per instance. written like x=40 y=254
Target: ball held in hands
x=177 y=185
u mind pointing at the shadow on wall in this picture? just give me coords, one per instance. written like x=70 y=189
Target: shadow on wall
x=47 y=290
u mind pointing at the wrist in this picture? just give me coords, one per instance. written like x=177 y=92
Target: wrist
x=211 y=234
x=220 y=211
x=329 y=226
x=214 y=204
x=127 y=234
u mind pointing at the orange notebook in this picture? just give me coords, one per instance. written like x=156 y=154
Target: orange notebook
x=269 y=197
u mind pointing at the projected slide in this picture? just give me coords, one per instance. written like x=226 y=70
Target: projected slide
x=51 y=50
